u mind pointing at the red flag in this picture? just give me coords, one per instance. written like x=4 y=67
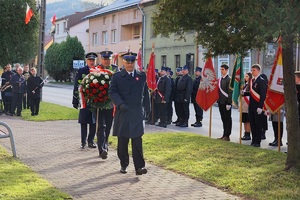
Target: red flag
x=151 y=79
x=275 y=94
x=29 y=14
x=207 y=93
x=115 y=60
x=139 y=60
x=53 y=19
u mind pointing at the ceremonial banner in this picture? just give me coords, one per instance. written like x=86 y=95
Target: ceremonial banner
x=139 y=60
x=275 y=93
x=151 y=79
x=29 y=14
x=207 y=93
x=237 y=79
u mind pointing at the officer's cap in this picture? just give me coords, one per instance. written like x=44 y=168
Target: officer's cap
x=171 y=73
x=185 y=67
x=156 y=70
x=178 y=69
x=198 y=69
x=224 y=66
x=91 y=56
x=164 y=68
x=106 y=54
x=129 y=57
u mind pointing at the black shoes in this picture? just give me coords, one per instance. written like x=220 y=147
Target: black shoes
x=82 y=145
x=141 y=171
x=92 y=145
x=275 y=143
x=103 y=154
x=185 y=124
x=246 y=137
x=197 y=124
x=255 y=145
x=123 y=170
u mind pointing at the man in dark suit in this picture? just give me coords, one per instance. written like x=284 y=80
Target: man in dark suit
x=198 y=110
x=18 y=83
x=224 y=102
x=34 y=85
x=258 y=91
x=85 y=115
x=129 y=92
x=162 y=97
x=184 y=89
x=179 y=74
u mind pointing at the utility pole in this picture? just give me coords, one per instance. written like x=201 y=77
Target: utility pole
x=41 y=55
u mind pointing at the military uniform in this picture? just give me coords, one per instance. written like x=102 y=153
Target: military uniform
x=6 y=94
x=184 y=89
x=26 y=100
x=178 y=114
x=86 y=116
x=198 y=110
x=34 y=85
x=129 y=93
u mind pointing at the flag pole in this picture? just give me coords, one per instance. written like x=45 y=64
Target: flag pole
x=278 y=132
x=152 y=93
x=241 y=127
x=210 y=120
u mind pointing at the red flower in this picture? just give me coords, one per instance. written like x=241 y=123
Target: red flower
x=101 y=88
x=95 y=100
x=100 y=95
x=87 y=91
x=104 y=92
x=92 y=85
x=101 y=99
x=105 y=85
x=94 y=91
x=91 y=94
x=97 y=85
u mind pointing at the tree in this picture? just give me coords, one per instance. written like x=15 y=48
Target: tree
x=59 y=58
x=18 y=41
x=235 y=26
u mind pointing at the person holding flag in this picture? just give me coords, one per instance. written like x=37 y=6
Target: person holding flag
x=224 y=102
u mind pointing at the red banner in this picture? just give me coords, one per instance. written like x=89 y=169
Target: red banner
x=151 y=79
x=139 y=60
x=207 y=93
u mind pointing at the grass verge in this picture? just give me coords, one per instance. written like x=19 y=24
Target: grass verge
x=19 y=182
x=51 y=112
x=250 y=172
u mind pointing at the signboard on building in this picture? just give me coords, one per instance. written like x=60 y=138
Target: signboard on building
x=78 y=64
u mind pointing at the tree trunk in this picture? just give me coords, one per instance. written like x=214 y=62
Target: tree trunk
x=293 y=128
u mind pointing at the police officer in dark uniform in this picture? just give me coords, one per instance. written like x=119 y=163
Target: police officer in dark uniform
x=184 y=90
x=129 y=92
x=85 y=114
x=6 y=90
x=198 y=110
x=162 y=97
x=18 y=83
x=34 y=85
x=105 y=116
x=179 y=74
x=170 y=103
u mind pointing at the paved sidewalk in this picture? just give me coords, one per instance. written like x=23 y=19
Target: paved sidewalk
x=52 y=150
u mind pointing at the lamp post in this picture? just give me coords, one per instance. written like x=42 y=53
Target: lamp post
x=41 y=55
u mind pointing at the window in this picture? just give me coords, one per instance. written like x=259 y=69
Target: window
x=95 y=39
x=113 y=36
x=222 y=59
x=65 y=26
x=177 y=61
x=113 y=18
x=104 y=20
x=247 y=62
x=136 y=31
x=136 y=14
x=163 y=60
x=57 y=29
x=104 y=37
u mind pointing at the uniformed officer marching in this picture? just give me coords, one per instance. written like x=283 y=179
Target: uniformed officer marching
x=162 y=97
x=105 y=116
x=183 y=95
x=85 y=114
x=198 y=110
x=129 y=92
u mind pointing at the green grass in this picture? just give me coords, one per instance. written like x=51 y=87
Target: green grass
x=239 y=169
x=51 y=112
x=19 y=182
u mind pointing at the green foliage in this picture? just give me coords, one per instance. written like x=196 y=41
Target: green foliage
x=59 y=58
x=18 y=41
x=229 y=26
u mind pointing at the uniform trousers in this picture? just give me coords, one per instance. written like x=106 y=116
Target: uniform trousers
x=256 y=124
x=137 y=152
x=275 y=129
x=226 y=119
x=199 y=112
x=184 y=111
x=163 y=114
x=34 y=105
x=92 y=132
x=105 y=119
x=170 y=111
x=16 y=103
x=177 y=110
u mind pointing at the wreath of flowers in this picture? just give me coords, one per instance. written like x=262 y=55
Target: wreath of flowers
x=94 y=87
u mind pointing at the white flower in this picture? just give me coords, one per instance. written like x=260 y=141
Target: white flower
x=106 y=76
x=102 y=82
x=92 y=77
x=87 y=81
x=95 y=81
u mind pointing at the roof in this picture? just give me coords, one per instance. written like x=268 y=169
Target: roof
x=146 y=1
x=115 y=6
x=76 y=18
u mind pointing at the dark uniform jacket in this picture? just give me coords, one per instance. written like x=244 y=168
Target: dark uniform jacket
x=85 y=115
x=132 y=92
x=32 y=83
x=196 y=84
x=164 y=89
x=18 y=84
x=6 y=76
x=225 y=82
x=184 y=89
x=260 y=87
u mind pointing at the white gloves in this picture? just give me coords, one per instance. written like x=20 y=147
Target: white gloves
x=259 y=111
x=242 y=92
x=228 y=107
